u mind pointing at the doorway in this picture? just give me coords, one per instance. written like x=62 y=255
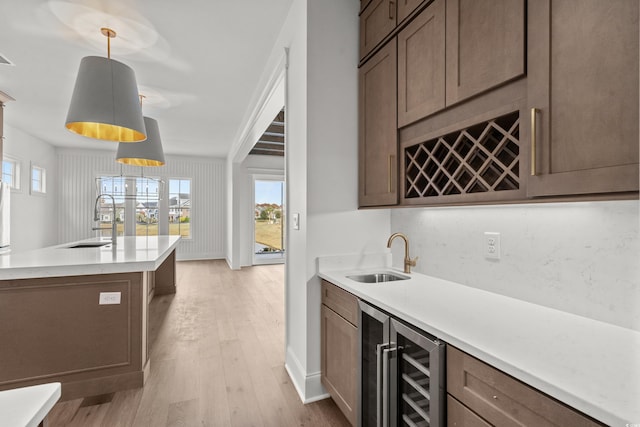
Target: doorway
x=268 y=220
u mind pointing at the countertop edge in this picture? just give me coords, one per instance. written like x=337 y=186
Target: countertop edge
x=61 y=269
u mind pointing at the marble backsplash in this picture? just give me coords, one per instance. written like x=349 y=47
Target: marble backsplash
x=580 y=257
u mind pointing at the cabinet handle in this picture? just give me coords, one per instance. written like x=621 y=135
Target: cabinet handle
x=534 y=113
x=391 y=9
x=390 y=169
x=379 y=384
x=387 y=354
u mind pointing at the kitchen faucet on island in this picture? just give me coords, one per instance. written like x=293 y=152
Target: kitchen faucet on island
x=408 y=262
x=114 y=225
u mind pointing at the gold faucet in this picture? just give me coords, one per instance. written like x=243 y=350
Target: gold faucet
x=408 y=262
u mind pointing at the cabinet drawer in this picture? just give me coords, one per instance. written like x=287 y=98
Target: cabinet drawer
x=459 y=415
x=340 y=301
x=503 y=400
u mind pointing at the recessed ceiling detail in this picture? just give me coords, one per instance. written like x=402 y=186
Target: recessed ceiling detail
x=271 y=143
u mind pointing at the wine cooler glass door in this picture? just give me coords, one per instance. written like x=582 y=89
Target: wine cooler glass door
x=418 y=379
x=374 y=333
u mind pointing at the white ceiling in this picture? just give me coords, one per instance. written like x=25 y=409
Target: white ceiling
x=198 y=62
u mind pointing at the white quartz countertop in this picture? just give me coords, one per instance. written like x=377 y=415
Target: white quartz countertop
x=28 y=406
x=130 y=254
x=590 y=365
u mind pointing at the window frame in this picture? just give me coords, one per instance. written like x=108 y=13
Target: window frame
x=16 y=175
x=169 y=193
x=43 y=180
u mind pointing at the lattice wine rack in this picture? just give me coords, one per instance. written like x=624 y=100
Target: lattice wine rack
x=482 y=158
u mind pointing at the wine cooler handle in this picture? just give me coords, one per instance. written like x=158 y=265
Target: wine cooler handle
x=385 y=387
x=379 y=384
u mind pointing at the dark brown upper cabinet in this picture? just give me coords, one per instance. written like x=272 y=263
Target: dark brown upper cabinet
x=485 y=45
x=377 y=21
x=583 y=96
x=378 y=129
x=455 y=50
x=405 y=7
x=421 y=65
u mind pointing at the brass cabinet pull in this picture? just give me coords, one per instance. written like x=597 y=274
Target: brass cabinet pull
x=390 y=169
x=534 y=112
x=391 y=9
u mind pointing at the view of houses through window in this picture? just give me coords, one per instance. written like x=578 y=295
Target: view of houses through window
x=180 y=207
x=141 y=200
x=268 y=219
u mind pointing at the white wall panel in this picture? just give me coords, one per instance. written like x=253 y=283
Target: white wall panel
x=33 y=217
x=79 y=168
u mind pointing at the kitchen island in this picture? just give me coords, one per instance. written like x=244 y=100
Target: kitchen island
x=77 y=313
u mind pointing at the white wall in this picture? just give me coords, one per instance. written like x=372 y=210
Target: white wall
x=576 y=257
x=34 y=218
x=251 y=166
x=77 y=192
x=321 y=170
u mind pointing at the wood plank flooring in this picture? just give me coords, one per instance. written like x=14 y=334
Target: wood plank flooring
x=217 y=359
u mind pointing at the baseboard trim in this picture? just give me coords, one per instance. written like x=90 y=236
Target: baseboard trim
x=197 y=256
x=103 y=385
x=308 y=386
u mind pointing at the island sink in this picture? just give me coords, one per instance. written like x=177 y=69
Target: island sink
x=88 y=245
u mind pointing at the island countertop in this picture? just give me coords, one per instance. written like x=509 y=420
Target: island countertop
x=131 y=253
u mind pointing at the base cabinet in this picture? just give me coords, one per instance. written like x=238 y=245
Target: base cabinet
x=339 y=348
x=490 y=397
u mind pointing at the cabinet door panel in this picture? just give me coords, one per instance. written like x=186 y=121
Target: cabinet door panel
x=485 y=45
x=583 y=81
x=421 y=65
x=503 y=400
x=376 y=21
x=378 y=129
x=339 y=346
x=459 y=415
x=405 y=7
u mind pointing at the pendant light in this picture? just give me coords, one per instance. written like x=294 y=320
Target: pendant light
x=144 y=153
x=104 y=104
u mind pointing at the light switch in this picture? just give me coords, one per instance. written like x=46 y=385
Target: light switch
x=296 y=221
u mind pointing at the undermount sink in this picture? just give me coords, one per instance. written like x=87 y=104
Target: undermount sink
x=377 y=277
x=88 y=245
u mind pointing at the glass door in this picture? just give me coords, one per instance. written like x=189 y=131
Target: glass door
x=268 y=219
x=418 y=379
x=374 y=335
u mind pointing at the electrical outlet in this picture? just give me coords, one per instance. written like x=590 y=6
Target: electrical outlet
x=107 y=298
x=492 y=245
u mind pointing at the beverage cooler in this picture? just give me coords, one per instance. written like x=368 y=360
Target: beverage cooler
x=401 y=377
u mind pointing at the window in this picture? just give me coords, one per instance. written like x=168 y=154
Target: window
x=38 y=180
x=180 y=207
x=147 y=205
x=11 y=172
x=116 y=187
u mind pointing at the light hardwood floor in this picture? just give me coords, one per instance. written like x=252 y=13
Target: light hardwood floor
x=217 y=359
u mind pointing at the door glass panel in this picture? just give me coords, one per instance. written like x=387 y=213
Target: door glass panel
x=268 y=220
x=372 y=332
x=413 y=383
